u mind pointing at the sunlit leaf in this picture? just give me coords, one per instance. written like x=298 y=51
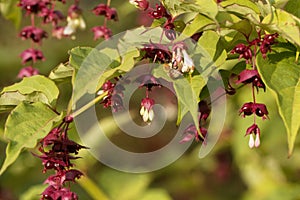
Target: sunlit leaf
x=196 y=25
x=61 y=72
x=35 y=85
x=24 y=126
x=285 y=24
x=210 y=41
x=281 y=74
x=186 y=96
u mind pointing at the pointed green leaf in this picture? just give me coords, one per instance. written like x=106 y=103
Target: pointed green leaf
x=245 y=3
x=186 y=96
x=126 y=65
x=9 y=100
x=26 y=124
x=77 y=56
x=245 y=8
x=35 y=84
x=281 y=74
x=90 y=69
x=285 y=24
x=210 y=41
x=208 y=8
x=195 y=26
x=61 y=72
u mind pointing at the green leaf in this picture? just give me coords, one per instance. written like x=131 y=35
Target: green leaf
x=186 y=96
x=282 y=75
x=61 y=72
x=77 y=56
x=244 y=27
x=208 y=8
x=11 y=11
x=198 y=24
x=26 y=124
x=126 y=65
x=210 y=41
x=9 y=100
x=35 y=85
x=245 y=3
x=285 y=24
x=243 y=8
x=177 y=8
x=91 y=64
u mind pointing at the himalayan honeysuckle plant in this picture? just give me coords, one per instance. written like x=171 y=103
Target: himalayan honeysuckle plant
x=252 y=44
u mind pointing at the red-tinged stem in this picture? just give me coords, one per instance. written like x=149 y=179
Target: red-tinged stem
x=108 y=2
x=254 y=101
x=32 y=24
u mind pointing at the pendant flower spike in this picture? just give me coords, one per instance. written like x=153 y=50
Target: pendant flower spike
x=146 y=110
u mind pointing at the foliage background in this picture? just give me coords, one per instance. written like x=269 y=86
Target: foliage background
x=230 y=171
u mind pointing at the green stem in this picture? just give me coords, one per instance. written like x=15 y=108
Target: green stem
x=88 y=105
x=92 y=189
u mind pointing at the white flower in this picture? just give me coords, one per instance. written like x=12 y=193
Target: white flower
x=73 y=25
x=251 y=141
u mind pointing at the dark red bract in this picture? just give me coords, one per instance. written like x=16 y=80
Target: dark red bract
x=191 y=133
x=251 y=76
x=157 y=52
x=31 y=55
x=159 y=12
x=254 y=108
x=33 y=6
x=27 y=72
x=244 y=51
x=105 y=10
x=56 y=149
x=266 y=44
x=51 y=16
x=101 y=32
x=34 y=33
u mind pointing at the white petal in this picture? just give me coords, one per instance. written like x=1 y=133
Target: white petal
x=188 y=64
x=146 y=115
x=82 y=23
x=69 y=30
x=257 y=141
x=151 y=115
x=142 y=111
x=251 y=141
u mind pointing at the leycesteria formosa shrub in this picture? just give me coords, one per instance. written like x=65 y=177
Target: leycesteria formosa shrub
x=253 y=44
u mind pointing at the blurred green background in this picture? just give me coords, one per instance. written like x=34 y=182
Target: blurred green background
x=230 y=171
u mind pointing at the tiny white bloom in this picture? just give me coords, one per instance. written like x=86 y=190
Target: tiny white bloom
x=151 y=115
x=188 y=64
x=257 y=141
x=142 y=111
x=251 y=141
x=146 y=115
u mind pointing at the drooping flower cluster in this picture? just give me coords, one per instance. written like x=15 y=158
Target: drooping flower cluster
x=56 y=149
x=46 y=11
x=251 y=76
x=110 y=14
x=113 y=98
x=191 y=131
